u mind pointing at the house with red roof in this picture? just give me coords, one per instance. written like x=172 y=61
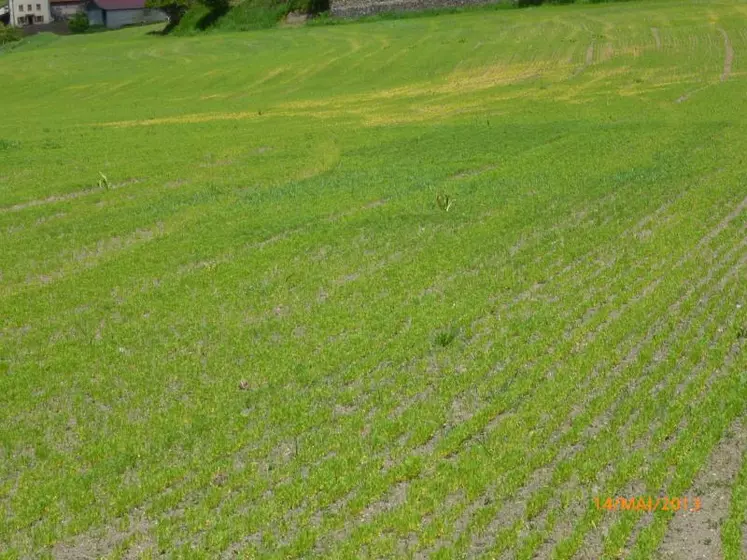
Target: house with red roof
x=118 y=13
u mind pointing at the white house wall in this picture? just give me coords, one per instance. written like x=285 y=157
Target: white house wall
x=17 y=12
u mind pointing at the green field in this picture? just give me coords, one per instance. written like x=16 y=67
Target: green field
x=262 y=337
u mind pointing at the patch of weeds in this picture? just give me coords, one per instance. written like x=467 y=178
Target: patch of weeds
x=445 y=337
x=7 y=145
x=9 y=34
x=444 y=202
x=104 y=181
x=742 y=332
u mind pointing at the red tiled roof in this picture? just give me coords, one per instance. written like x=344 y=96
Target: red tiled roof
x=120 y=4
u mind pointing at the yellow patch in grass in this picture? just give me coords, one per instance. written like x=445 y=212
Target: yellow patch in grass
x=185 y=119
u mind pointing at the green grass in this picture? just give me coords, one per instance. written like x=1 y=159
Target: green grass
x=265 y=337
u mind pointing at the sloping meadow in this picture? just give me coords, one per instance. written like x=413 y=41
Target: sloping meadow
x=237 y=318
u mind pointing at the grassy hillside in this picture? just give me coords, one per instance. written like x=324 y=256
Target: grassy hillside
x=262 y=337
x=247 y=16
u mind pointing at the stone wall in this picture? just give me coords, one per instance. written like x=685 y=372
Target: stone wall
x=356 y=8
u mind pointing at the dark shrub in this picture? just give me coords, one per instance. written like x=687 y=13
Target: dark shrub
x=220 y=6
x=79 y=23
x=318 y=6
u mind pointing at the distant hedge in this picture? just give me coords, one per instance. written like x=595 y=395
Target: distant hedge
x=221 y=15
x=246 y=16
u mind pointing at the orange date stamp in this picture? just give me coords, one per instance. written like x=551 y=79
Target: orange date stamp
x=648 y=503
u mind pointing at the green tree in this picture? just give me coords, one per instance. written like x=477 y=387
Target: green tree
x=218 y=6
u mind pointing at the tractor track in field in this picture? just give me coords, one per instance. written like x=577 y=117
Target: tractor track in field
x=700 y=376
x=675 y=306
x=720 y=226
x=594 y=540
x=657 y=37
x=698 y=532
x=502 y=524
x=588 y=60
x=66 y=197
x=728 y=56
x=725 y=73
x=471 y=508
x=677 y=373
x=576 y=448
x=427 y=448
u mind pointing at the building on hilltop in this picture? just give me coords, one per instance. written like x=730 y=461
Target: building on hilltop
x=118 y=13
x=28 y=12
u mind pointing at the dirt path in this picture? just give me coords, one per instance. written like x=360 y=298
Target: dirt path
x=65 y=197
x=698 y=534
x=729 y=57
x=728 y=63
x=588 y=60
